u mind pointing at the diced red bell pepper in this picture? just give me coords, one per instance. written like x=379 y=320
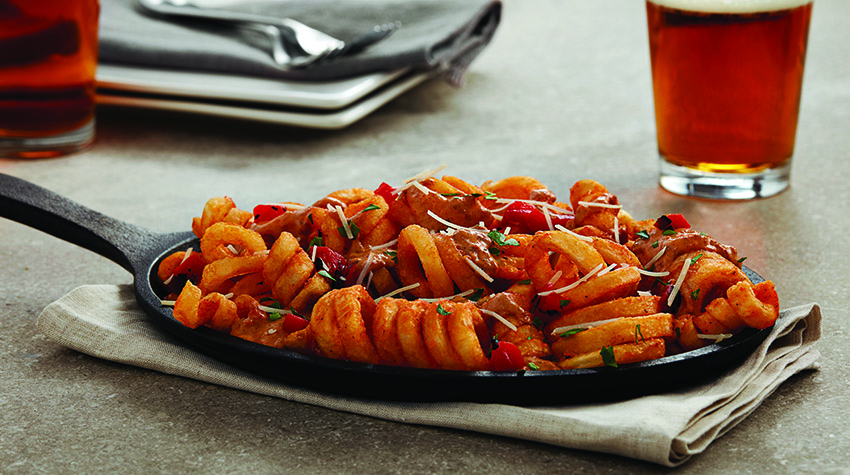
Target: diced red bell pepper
x=672 y=221
x=526 y=218
x=268 y=212
x=334 y=263
x=293 y=323
x=386 y=191
x=191 y=269
x=506 y=357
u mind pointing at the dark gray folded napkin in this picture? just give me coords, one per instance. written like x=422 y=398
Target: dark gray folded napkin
x=443 y=35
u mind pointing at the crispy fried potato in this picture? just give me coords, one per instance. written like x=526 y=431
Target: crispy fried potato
x=436 y=337
x=615 y=284
x=447 y=202
x=367 y=220
x=186 y=306
x=758 y=306
x=215 y=210
x=417 y=253
x=467 y=331
x=353 y=311
x=709 y=271
x=721 y=311
x=239 y=217
x=520 y=187
x=282 y=251
x=590 y=191
x=615 y=253
x=650 y=349
x=251 y=284
x=221 y=237
x=298 y=271
x=385 y=333
x=349 y=196
x=383 y=281
x=409 y=328
x=315 y=287
x=218 y=311
x=624 y=330
x=323 y=328
x=218 y=272
x=574 y=258
x=686 y=333
x=456 y=266
x=617 y=308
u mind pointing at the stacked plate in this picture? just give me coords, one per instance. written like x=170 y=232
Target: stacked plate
x=321 y=105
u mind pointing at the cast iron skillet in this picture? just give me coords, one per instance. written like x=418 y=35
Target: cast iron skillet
x=139 y=250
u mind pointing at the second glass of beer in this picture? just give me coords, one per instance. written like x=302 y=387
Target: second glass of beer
x=726 y=79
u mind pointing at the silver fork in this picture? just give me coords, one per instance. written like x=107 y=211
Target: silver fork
x=294 y=44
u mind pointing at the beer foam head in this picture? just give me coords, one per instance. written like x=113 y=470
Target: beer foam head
x=731 y=6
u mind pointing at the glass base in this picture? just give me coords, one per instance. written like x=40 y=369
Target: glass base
x=723 y=186
x=53 y=146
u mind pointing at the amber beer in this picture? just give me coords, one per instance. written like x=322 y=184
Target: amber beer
x=48 y=57
x=726 y=81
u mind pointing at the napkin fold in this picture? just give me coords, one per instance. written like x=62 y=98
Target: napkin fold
x=445 y=35
x=105 y=321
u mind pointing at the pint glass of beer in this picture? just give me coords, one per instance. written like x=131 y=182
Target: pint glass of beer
x=48 y=57
x=726 y=79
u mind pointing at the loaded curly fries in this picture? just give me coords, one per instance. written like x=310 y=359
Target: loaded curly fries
x=439 y=273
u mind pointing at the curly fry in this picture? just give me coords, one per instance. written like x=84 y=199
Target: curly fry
x=419 y=262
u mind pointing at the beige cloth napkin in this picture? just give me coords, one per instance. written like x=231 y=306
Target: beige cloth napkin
x=667 y=429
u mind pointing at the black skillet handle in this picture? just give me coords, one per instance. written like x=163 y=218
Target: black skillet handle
x=125 y=244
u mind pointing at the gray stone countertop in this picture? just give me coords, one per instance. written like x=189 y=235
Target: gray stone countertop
x=562 y=93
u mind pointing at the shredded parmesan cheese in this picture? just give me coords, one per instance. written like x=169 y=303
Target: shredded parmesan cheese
x=555 y=277
x=597 y=323
x=599 y=205
x=717 y=337
x=477 y=269
x=654 y=259
x=427 y=173
x=441 y=299
x=653 y=274
x=685 y=266
x=398 y=291
x=424 y=174
x=574 y=284
x=369 y=280
x=447 y=223
x=185 y=256
x=273 y=310
x=507 y=229
x=644 y=293
x=548 y=218
x=366 y=267
x=167 y=303
x=577 y=235
x=384 y=246
x=344 y=220
x=499 y=318
x=616 y=230
x=421 y=187
x=313 y=254
x=606 y=270
x=541 y=204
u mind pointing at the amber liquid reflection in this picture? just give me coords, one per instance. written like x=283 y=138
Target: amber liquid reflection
x=48 y=56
